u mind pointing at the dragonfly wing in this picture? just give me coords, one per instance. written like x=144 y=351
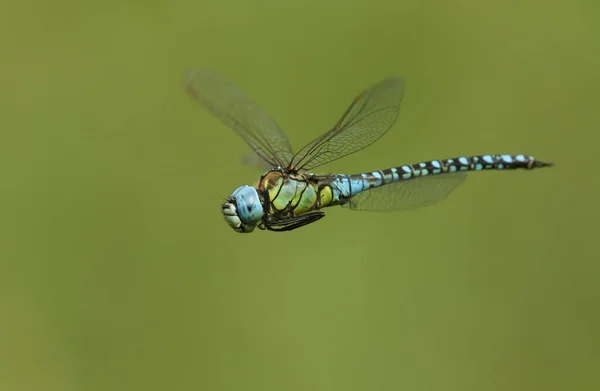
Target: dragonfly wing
x=370 y=116
x=236 y=110
x=404 y=195
x=252 y=160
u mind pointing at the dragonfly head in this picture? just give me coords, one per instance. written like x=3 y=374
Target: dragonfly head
x=243 y=210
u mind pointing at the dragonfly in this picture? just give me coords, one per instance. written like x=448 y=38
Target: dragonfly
x=290 y=195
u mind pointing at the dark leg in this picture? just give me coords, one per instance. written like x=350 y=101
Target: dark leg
x=294 y=222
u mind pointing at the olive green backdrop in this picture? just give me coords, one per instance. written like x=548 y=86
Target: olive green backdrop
x=118 y=272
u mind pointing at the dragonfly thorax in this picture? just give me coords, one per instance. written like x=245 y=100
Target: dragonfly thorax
x=243 y=210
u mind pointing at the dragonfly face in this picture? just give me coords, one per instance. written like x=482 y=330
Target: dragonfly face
x=243 y=210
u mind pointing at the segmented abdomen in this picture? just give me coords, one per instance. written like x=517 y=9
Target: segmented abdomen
x=345 y=187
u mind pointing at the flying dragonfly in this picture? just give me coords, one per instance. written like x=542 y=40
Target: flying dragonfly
x=291 y=195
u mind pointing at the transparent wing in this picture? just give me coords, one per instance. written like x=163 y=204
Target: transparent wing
x=411 y=194
x=370 y=116
x=236 y=110
x=253 y=160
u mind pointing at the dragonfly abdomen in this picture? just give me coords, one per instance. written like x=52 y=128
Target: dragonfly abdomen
x=345 y=187
x=463 y=163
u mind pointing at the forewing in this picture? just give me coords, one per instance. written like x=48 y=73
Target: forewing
x=370 y=116
x=236 y=110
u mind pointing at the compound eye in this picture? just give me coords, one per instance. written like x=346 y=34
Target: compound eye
x=248 y=205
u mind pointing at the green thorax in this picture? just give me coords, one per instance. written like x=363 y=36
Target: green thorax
x=296 y=194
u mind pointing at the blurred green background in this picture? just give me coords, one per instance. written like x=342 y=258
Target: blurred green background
x=117 y=271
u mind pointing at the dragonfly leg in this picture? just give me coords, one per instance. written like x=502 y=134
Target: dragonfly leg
x=288 y=224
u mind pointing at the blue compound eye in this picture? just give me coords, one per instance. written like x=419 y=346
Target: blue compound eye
x=244 y=211
x=248 y=205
